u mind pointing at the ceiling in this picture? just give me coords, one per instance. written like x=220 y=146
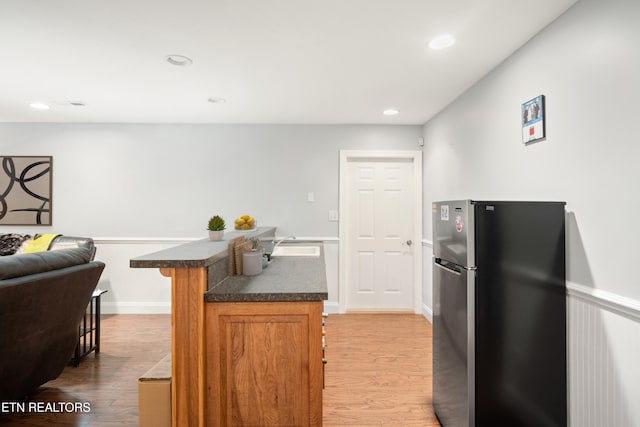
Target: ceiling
x=272 y=61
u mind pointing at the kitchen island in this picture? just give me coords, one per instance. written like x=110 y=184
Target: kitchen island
x=246 y=350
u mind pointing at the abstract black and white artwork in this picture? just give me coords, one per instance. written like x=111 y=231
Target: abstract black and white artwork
x=25 y=190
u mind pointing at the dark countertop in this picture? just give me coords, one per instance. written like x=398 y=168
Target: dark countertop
x=284 y=279
x=200 y=253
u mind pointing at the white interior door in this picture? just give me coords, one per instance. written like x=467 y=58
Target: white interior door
x=379 y=232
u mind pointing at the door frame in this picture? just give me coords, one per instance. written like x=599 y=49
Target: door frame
x=350 y=155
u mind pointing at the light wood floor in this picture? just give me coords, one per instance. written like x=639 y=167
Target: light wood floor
x=378 y=374
x=379 y=371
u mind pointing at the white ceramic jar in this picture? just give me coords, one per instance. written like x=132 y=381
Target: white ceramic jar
x=252 y=263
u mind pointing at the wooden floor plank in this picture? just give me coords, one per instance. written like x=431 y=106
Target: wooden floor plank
x=129 y=346
x=378 y=373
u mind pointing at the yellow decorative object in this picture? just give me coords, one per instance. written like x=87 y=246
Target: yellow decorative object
x=245 y=222
x=40 y=243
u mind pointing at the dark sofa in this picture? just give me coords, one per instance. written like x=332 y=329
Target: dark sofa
x=43 y=297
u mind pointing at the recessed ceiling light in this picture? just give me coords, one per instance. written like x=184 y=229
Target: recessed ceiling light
x=179 y=60
x=217 y=100
x=391 y=112
x=39 y=106
x=442 y=42
x=71 y=103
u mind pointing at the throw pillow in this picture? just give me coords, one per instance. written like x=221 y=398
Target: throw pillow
x=39 y=243
x=10 y=243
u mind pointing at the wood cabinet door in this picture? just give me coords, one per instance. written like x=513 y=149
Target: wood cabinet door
x=264 y=367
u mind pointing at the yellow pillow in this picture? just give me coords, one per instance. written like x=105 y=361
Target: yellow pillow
x=40 y=243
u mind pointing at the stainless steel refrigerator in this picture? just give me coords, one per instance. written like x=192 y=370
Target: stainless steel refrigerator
x=499 y=313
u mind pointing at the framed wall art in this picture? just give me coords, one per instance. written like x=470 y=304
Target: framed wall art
x=533 y=117
x=25 y=190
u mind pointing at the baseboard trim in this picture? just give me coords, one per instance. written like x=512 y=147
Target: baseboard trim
x=427 y=313
x=615 y=303
x=332 y=307
x=142 y=307
x=143 y=240
x=181 y=240
x=108 y=307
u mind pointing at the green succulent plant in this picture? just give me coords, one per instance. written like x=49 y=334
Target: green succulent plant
x=216 y=223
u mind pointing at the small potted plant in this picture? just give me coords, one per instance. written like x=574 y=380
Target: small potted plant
x=216 y=228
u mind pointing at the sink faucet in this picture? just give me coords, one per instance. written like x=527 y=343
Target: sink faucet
x=275 y=245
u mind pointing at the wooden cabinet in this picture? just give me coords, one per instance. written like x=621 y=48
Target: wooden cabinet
x=263 y=364
x=251 y=363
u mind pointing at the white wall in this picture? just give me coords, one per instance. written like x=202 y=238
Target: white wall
x=587 y=64
x=138 y=188
x=167 y=180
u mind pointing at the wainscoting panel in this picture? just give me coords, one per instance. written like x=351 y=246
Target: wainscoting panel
x=133 y=290
x=427 y=279
x=604 y=359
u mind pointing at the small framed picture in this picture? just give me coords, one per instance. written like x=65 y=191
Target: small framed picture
x=533 y=115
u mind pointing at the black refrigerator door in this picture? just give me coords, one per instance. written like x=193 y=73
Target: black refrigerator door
x=520 y=314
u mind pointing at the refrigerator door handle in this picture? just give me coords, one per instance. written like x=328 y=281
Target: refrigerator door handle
x=447 y=269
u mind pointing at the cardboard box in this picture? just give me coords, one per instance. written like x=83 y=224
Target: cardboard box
x=154 y=395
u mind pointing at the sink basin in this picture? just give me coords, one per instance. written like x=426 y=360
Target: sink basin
x=296 y=250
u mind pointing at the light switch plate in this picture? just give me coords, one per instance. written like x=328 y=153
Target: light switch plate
x=334 y=216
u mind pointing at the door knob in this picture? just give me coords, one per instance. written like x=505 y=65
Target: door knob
x=409 y=243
